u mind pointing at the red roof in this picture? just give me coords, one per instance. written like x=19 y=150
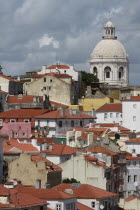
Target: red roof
x=132 y=158
x=81 y=206
x=132 y=197
x=45 y=194
x=52 y=74
x=8 y=145
x=62 y=149
x=112 y=107
x=57 y=104
x=133 y=98
x=94 y=161
x=86 y=191
x=39 y=140
x=3 y=190
x=107 y=125
x=136 y=140
x=24 y=99
x=99 y=149
x=58 y=66
x=57 y=114
x=51 y=167
x=22 y=113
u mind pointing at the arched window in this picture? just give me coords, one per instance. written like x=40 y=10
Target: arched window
x=107 y=72
x=121 y=73
x=95 y=71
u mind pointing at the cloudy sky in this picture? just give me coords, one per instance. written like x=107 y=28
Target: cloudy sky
x=41 y=32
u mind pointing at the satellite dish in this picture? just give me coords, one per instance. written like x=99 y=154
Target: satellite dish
x=101 y=206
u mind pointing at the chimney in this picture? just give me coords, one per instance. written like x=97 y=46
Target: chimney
x=62 y=112
x=44 y=69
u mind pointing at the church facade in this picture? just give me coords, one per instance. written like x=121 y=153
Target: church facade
x=109 y=60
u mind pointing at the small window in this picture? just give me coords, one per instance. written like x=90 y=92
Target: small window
x=26 y=120
x=134 y=163
x=23 y=134
x=129 y=193
x=117 y=115
x=134 y=105
x=129 y=178
x=58 y=206
x=44 y=88
x=50 y=80
x=44 y=79
x=111 y=115
x=12 y=120
x=135 y=178
x=60 y=124
x=16 y=134
x=65 y=71
x=72 y=123
x=81 y=123
x=92 y=204
x=120 y=122
x=134 y=118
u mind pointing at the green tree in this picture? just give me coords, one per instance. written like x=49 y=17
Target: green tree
x=88 y=78
x=72 y=180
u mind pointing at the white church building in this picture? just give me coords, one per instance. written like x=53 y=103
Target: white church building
x=109 y=60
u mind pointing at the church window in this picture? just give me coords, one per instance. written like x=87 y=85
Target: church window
x=107 y=74
x=44 y=79
x=95 y=71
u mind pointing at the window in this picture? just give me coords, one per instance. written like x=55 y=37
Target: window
x=49 y=88
x=38 y=183
x=105 y=116
x=107 y=74
x=81 y=123
x=105 y=204
x=16 y=134
x=50 y=80
x=44 y=79
x=26 y=120
x=134 y=163
x=129 y=178
x=120 y=74
x=134 y=105
x=111 y=115
x=44 y=88
x=1 y=122
x=60 y=124
x=117 y=115
x=23 y=134
x=120 y=122
x=58 y=206
x=65 y=71
x=72 y=123
x=92 y=204
x=134 y=118
x=135 y=178
x=12 y=120
x=129 y=193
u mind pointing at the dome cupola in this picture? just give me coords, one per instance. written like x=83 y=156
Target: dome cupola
x=109 y=31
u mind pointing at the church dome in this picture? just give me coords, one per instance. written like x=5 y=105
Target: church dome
x=109 y=24
x=109 y=48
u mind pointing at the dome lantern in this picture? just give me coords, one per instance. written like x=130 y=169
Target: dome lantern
x=109 y=31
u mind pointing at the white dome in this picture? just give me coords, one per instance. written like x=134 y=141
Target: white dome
x=109 y=24
x=109 y=48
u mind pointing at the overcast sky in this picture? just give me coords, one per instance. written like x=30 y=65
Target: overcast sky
x=41 y=32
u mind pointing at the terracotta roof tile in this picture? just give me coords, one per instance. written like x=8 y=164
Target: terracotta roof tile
x=58 y=66
x=40 y=140
x=48 y=194
x=24 y=99
x=94 y=161
x=57 y=114
x=8 y=145
x=132 y=197
x=52 y=74
x=136 y=140
x=132 y=158
x=81 y=206
x=22 y=113
x=99 y=149
x=3 y=190
x=133 y=98
x=112 y=107
x=85 y=191
x=61 y=149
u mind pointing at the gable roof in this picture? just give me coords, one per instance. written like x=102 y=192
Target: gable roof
x=58 y=66
x=112 y=107
x=57 y=114
x=136 y=140
x=13 y=145
x=94 y=161
x=48 y=194
x=24 y=99
x=61 y=149
x=86 y=191
x=99 y=149
x=22 y=113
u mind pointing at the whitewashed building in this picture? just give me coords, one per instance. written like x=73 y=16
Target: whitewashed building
x=131 y=113
x=109 y=113
x=109 y=60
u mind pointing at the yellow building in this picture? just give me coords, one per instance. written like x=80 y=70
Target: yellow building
x=89 y=104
